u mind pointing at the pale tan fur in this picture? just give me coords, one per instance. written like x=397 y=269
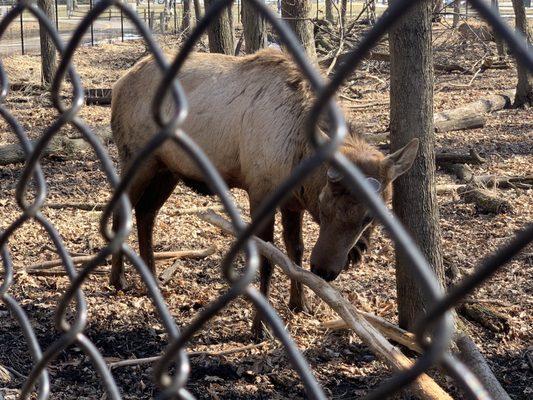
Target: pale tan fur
x=248 y=115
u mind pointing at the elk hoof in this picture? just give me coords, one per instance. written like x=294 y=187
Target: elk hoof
x=258 y=330
x=298 y=306
x=119 y=282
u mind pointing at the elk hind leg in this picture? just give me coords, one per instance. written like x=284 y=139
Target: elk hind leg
x=154 y=196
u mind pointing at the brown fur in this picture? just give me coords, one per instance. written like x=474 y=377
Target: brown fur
x=248 y=115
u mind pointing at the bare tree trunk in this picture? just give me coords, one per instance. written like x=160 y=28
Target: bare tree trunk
x=197 y=10
x=456 y=13
x=524 y=87
x=186 y=19
x=329 y=11
x=297 y=14
x=438 y=6
x=219 y=33
x=254 y=26
x=411 y=115
x=48 y=50
x=344 y=4
x=500 y=46
x=371 y=11
x=230 y=19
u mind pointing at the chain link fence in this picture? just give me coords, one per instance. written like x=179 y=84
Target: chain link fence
x=72 y=309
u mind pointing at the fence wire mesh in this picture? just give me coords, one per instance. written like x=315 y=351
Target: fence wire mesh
x=72 y=309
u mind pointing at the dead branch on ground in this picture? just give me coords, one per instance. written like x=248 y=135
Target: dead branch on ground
x=148 y=360
x=163 y=255
x=424 y=386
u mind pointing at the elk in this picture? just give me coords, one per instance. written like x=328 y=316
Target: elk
x=248 y=115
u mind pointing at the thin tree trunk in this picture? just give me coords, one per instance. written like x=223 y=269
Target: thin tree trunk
x=296 y=13
x=500 y=46
x=219 y=33
x=344 y=4
x=371 y=11
x=230 y=19
x=456 y=13
x=329 y=11
x=254 y=26
x=197 y=10
x=186 y=19
x=524 y=87
x=411 y=115
x=48 y=50
x=438 y=6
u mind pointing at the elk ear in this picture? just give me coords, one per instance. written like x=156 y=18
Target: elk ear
x=401 y=160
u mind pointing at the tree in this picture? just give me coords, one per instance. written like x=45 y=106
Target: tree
x=438 y=6
x=186 y=19
x=329 y=11
x=456 y=13
x=524 y=87
x=48 y=50
x=500 y=46
x=296 y=13
x=344 y=7
x=254 y=26
x=197 y=10
x=219 y=32
x=411 y=115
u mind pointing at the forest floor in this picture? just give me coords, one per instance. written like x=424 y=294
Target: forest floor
x=125 y=326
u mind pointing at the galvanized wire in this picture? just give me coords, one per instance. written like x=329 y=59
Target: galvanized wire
x=437 y=324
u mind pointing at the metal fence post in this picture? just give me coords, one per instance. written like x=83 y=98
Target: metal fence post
x=92 y=27
x=22 y=32
x=149 y=16
x=57 y=17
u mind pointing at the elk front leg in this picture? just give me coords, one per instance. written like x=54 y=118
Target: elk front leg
x=265 y=268
x=292 y=236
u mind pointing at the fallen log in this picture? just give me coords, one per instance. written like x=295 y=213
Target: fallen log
x=385 y=57
x=504 y=182
x=79 y=206
x=470 y=355
x=149 y=360
x=60 y=147
x=485 y=316
x=486 y=105
x=460 y=123
x=454 y=158
x=469 y=116
x=486 y=201
x=462 y=171
x=424 y=386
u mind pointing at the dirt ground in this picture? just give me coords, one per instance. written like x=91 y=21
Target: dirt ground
x=125 y=325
